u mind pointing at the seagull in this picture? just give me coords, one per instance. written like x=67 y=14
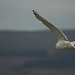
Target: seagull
x=63 y=43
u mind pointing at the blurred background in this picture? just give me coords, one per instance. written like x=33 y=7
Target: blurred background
x=27 y=47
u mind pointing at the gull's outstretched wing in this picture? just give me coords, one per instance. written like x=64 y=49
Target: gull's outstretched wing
x=57 y=32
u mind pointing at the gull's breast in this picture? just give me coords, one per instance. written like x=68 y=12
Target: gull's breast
x=62 y=45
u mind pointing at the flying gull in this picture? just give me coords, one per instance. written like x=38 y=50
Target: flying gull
x=63 y=42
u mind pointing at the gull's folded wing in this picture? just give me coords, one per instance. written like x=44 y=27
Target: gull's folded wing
x=57 y=32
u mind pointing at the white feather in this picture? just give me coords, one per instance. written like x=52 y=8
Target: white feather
x=63 y=42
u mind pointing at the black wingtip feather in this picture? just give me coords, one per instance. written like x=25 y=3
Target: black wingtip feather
x=34 y=12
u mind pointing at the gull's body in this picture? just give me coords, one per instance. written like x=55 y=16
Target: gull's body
x=63 y=42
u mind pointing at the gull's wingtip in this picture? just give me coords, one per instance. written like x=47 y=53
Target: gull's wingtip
x=34 y=12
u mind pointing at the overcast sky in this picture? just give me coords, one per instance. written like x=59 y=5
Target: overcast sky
x=17 y=14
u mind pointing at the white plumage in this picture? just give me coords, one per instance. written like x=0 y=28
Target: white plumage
x=63 y=42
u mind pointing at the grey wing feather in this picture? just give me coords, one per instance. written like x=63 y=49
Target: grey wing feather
x=57 y=32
